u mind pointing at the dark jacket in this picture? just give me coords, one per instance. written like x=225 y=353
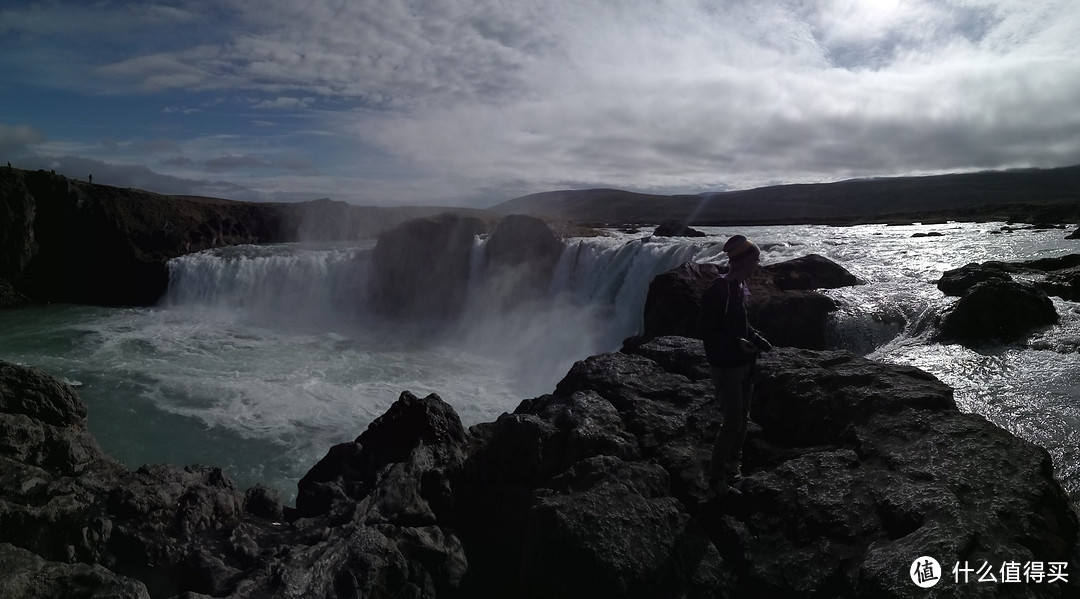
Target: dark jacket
x=722 y=322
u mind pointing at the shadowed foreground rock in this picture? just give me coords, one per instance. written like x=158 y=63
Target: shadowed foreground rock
x=853 y=469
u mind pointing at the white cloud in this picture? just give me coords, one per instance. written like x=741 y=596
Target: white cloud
x=679 y=95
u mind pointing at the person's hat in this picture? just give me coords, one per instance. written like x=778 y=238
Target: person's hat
x=740 y=248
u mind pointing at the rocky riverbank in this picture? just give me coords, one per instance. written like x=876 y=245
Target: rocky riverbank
x=853 y=469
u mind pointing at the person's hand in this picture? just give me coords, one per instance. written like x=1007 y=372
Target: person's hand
x=762 y=344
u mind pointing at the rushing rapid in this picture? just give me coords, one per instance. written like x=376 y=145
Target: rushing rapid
x=260 y=358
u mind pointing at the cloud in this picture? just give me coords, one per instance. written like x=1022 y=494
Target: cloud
x=284 y=102
x=15 y=139
x=475 y=98
x=237 y=162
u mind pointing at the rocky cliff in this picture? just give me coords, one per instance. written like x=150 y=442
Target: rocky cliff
x=63 y=240
x=853 y=469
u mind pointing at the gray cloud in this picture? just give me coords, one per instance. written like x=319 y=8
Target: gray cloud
x=236 y=162
x=480 y=97
x=14 y=139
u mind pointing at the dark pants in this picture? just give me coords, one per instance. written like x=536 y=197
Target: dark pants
x=734 y=388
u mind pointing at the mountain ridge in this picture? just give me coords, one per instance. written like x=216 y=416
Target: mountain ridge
x=1020 y=194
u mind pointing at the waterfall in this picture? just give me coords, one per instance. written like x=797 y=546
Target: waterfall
x=279 y=282
x=599 y=285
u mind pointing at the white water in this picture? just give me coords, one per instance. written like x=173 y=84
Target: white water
x=261 y=358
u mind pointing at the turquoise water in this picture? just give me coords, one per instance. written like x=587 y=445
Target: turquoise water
x=261 y=358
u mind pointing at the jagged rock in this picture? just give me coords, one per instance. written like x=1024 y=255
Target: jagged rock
x=424 y=432
x=520 y=258
x=996 y=310
x=24 y=575
x=852 y=469
x=782 y=305
x=1074 y=235
x=421 y=267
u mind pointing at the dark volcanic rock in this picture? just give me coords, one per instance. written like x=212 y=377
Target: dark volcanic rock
x=853 y=468
x=69 y=241
x=520 y=258
x=674 y=300
x=782 y=304
x=421 y=267
x=25 y=575
x=958 y=280
x=810 y=272
x=1063 y=283
x=676 y=230
x=996 y=310
x=63 y=240
x=1074 y=235
x=90 y=526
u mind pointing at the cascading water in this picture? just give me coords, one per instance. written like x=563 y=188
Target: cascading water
x=261 y=358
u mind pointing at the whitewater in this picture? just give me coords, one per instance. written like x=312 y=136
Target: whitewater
x=260 y=358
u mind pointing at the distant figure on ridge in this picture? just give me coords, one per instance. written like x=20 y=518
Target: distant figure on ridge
x=91 y=179
x=731 y=347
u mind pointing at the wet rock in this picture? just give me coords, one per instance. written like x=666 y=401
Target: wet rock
x=421 y=267
x=520 y=258
x=957 y=281
x=1063 y=283
x=811 y=271
x=676 y=230
x=997 y=310
x=783 y=305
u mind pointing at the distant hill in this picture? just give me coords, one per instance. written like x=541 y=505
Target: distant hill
x=1051 y=195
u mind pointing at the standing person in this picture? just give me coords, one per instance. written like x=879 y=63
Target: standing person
x=731 y=347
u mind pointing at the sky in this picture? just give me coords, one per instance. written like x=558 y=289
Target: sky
x=473 y=102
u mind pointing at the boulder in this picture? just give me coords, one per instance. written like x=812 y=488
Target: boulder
x=1064 y=283
x=811 y=271
x=783 y=305
x=957 y=281
x=519 y=259
x=677 y=230
x=674 y=299
x=997 y=310
x=421 y=267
